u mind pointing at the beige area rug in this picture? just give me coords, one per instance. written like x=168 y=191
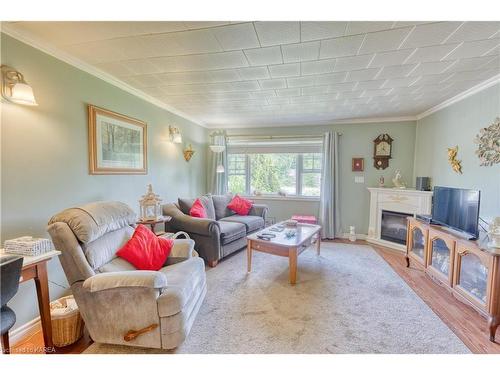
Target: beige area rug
x=347 y=300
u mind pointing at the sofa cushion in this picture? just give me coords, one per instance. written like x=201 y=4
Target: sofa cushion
x=252 y=223
x=220 y=205
x=103 y=250
x=185 y=205
x=183 y=279
x=231 y=231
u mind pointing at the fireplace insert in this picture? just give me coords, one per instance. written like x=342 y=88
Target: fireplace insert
x=393 y=227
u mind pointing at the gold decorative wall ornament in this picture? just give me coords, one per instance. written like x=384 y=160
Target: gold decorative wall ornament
x=488 y=144
x=456 y=164
x=188 y=153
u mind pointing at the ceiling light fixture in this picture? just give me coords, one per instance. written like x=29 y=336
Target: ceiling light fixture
x=218 y=141
x=15 y=89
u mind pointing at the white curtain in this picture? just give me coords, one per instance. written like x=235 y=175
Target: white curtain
x=329 y=209
x=217 y=182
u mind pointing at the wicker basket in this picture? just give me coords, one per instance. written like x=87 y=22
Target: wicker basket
x=67 y=327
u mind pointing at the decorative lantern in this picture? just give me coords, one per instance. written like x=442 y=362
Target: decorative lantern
x=150 y=206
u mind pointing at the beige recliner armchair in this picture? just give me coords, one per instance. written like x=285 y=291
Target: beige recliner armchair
x=119 y=304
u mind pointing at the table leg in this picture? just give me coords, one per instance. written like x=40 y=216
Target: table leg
x=292 y=259
x=42 y=291
x=249 y=256
x=318 y=243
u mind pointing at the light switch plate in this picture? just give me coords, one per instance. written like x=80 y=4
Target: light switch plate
x=359 y=179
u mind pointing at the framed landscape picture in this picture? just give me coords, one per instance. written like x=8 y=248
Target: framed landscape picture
x=117 y=143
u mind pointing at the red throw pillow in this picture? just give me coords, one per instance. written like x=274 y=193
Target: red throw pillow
x=145 y=250
x=197 y=210
x=240 y=205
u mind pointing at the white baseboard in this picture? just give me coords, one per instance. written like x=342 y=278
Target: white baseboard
x=24 y=331
x=345 y=236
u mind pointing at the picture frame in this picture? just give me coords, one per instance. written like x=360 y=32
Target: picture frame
x=358 y=164
x=117 y=143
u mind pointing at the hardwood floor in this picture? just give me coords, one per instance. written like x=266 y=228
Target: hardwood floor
x=465 y=322
x=34 y=345
x=462 y=319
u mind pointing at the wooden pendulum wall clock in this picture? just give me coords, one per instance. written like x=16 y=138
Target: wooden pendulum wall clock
x=382 y=151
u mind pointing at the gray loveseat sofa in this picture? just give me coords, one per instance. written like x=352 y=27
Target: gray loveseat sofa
x=119 y=304
x=222 y=233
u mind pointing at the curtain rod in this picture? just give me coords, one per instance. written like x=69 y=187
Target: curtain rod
x=318 y=136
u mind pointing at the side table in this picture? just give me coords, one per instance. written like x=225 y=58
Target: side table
x=35 y=268
x=153 y=223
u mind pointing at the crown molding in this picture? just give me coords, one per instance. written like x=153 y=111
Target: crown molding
x=469 y=92
x=79 y=64
x=367 y=120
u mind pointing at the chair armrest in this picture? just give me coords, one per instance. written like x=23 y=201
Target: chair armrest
x=259 y=210
x=125 y=279
x=183 y=248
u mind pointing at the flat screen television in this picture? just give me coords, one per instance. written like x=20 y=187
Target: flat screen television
x=457 y=209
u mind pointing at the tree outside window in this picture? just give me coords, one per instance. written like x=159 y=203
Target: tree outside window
x=237 y=173
x=296 y=174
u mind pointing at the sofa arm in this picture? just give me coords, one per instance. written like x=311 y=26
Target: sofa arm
x=259 y=210
x=189 y=224
x=125 y=279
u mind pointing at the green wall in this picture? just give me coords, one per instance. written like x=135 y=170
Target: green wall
x=45 y=155
x=356 y=141
x=458 y=124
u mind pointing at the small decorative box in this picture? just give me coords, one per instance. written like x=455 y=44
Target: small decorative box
x=28 y=246
x=305 y=219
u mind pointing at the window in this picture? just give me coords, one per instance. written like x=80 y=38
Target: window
x=237 y=173
x=270 y=173
x=296 y=174
x=311 y=174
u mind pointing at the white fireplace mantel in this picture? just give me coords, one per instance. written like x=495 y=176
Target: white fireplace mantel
x=398 y=200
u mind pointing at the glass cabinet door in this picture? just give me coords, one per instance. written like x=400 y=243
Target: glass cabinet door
x=473 y=276
x=440 y=256
x=417 y=243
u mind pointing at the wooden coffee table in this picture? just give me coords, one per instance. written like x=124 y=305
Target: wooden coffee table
x=283 y=246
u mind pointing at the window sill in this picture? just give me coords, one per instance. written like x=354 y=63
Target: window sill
x=278 y=198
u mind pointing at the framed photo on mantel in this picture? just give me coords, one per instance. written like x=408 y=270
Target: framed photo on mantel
x=117 y=143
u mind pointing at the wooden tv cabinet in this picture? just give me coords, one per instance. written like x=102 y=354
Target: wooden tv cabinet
x=468 y=269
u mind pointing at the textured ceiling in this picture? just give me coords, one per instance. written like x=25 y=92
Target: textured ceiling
x=280 y=73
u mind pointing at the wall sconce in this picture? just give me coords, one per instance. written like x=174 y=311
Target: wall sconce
x=188 y=153
x=14 y=87
x=175 y=134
